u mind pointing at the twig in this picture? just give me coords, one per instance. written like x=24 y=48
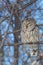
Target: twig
x=7 y=28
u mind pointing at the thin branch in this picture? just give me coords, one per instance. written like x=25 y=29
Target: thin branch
x=7 y=28
x=40 y=24
x=30 y=43
x=3 y=19
x=28 y=4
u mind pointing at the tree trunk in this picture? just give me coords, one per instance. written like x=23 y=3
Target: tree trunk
x=16 y=34
x=1 y=50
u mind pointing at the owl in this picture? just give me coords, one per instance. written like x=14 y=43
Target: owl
x=29 y=31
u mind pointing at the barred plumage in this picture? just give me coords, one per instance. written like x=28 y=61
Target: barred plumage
x=29 y=31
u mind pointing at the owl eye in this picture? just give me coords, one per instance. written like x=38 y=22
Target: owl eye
x=26 y=26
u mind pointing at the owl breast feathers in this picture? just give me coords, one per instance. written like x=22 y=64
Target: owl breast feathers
x=29 y=32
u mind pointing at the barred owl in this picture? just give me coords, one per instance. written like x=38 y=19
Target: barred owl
x=29 y=31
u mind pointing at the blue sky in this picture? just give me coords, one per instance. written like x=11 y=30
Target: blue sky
x=37 y=15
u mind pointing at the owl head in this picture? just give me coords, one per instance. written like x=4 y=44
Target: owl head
x=28 y=24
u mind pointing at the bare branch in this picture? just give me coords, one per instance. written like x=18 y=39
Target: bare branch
x=30 y=43
x=7 y=28
x=28 y=4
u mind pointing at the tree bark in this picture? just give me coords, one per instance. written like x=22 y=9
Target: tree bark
x=16 y=34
